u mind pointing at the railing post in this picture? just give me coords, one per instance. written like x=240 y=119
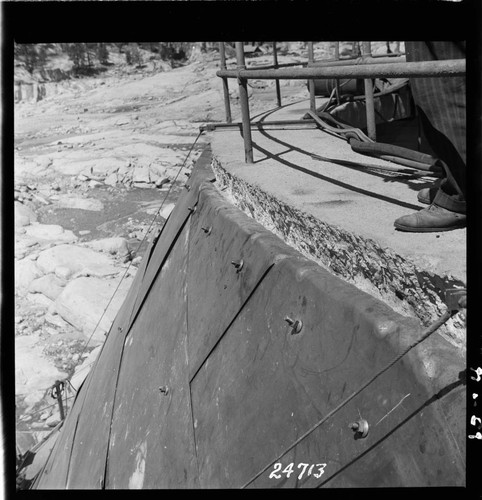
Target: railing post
x=227 y=104
x=275 y=62
x=370 y=105
x=311 y=83
x=337 y=81
x=243 y=99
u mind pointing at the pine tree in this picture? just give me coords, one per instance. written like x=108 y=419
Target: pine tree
x=128 y=55
x=76 y=53
x=90 y=50
x=42 y=55
x=136 y=55
x=28 y=54
x=102 y=53
x=133 y=55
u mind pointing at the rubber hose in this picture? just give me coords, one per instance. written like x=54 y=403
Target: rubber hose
x=413 y=164
x=378 y=149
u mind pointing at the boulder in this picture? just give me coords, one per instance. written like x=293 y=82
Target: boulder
x=49 y=285
x=76 y=259
x=160 y=182
x=33 y=256
x=34 y=373
x=63 y=272
x=53 y=420
x=83 y=301
x=25 y=169
x=39 y=299
x=116 y=245
x=23 y=215
x=105 y=166
x=157 y=170
x=50 y=331
x=26 y=271
x=169 y=157
x=42 y=198
x=98 y=271
x=125 y=170
x=55 y=319
x=50 y=232
x=141 y=174
x=23 y=245
x=25 y=242
x=72 y=167
x=154 y=177
x=111 y=179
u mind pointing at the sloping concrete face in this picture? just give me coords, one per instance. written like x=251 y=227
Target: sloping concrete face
x=206 y=380
x=342 y=216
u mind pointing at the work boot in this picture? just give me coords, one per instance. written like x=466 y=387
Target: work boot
x=431 y=219
x=427 y=195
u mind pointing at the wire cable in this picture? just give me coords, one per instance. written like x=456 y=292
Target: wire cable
x=140 y=244
x=125 y=274
x=431 y=329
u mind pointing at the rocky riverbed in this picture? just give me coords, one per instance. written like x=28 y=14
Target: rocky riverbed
x=99 y=161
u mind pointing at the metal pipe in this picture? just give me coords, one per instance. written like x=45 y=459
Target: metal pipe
x=370 y=109
x=442 y=68
x=243 y=100
x=275 y=61
x=328 y=63
x=282 y=65
x=343 y=61
x=369 y=101
x=213 y=126
x=392 y=55
x=58 y=387
x=311 y=83
x=358 y=60
x=227 y=103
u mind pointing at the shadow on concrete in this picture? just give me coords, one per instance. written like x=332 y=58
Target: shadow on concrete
x=403 y=177
x=403 y=133
x=277 y=108
x=277 y=157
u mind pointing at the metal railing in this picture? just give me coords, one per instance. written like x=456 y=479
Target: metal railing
x=366 y=67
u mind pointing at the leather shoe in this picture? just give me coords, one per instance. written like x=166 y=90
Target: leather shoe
x=427 y=195
x=431 y=219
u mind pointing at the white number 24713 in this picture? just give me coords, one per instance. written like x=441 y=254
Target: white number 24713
x=289 y=469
